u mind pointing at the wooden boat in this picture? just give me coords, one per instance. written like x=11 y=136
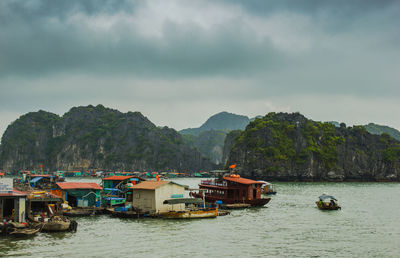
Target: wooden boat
x=24 y=232
x=194 y=211
x=327 y=202
x=191 y=214
x=125 y=212
x=231 y=189
x=57 y=224
x=235 y=206
x=223 y=212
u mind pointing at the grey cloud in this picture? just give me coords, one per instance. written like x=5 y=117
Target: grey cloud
x=36 y=10
x=42 y=47
x=341 y=9
x=353 y=45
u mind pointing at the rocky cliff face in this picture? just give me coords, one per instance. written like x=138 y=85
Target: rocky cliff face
x=96 y=138
x=291 y=147
x=209 y=143
x=23 y=144
x=228 y=145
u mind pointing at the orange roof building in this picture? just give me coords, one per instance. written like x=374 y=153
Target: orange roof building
x=149 y=185
x=117 y=178
x=81 y=194
x=150 y=195
x=78 y=185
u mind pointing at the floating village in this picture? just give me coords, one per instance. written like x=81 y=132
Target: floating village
x=36 y=202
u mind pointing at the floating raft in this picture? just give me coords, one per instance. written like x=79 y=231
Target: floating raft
x=223 y=212
x=236 y=206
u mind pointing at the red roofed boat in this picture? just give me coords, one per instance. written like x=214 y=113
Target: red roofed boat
x=232 y=189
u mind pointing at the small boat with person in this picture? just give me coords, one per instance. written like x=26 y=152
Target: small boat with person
x=327 y=202
x=194 y=209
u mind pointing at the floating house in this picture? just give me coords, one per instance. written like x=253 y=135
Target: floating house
x=42 y=203
x=149 y=196
x=12 y=202
x=40 y=181
x=80 y=194
x=116 y=189
x=118 y=181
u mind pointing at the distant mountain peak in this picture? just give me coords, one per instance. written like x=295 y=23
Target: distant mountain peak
x=224 y=121
x=379 y=129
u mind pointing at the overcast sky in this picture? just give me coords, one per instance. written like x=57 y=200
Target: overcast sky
x=179 y=62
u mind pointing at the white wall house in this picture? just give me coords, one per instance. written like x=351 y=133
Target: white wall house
x=12 y=202
x=150 y=195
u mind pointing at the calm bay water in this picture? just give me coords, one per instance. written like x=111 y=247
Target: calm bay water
x=290 y=225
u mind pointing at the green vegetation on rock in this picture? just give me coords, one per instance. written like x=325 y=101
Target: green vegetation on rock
x=95 y=137
x=285 y=146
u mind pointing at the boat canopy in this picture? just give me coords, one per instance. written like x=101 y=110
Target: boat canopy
x=325 y=197
x=183 y=200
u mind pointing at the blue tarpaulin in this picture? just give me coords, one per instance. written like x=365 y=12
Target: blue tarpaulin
x=36 y=179
x=112 y=189
x=113 y=198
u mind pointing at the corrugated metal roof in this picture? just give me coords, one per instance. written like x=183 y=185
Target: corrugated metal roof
x=117 y=178
x=78 y=185
x=14 y=193
x=149 y=185
x=243 y=181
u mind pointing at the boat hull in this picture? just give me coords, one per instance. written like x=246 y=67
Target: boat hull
x=235 y=206
x=56 y=226
x=196 y=214
x=212 y=199
x=323 y=206
x=26 y=232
